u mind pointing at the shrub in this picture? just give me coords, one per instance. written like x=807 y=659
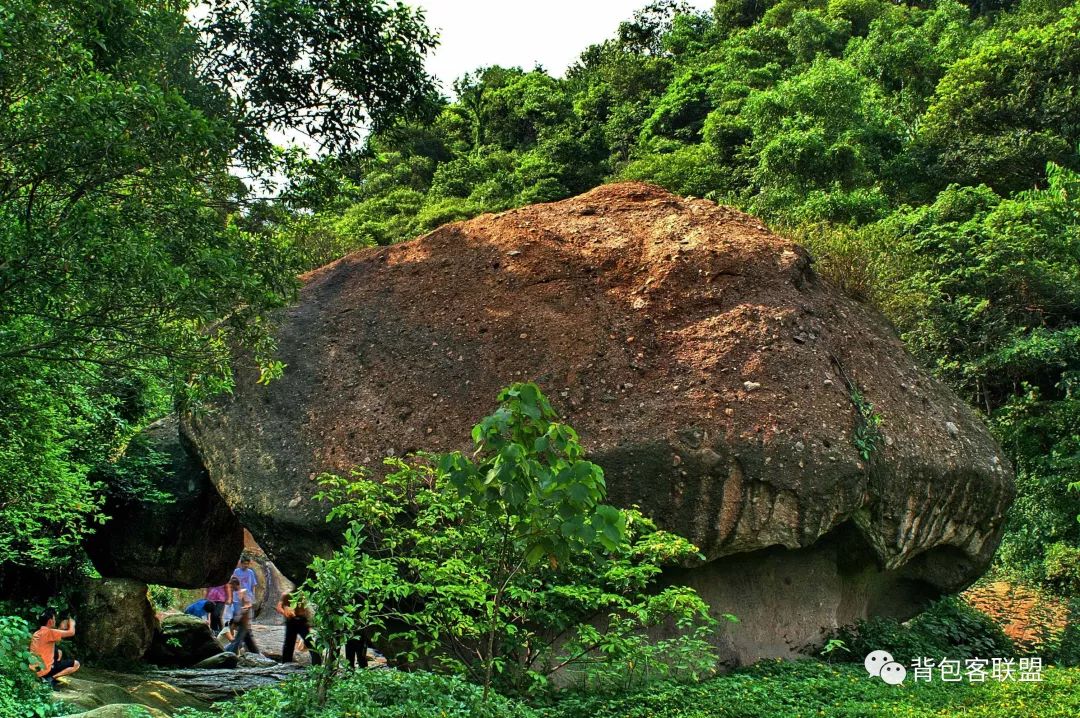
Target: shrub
x=789 y=689
x=371 y=694
x=948 y=629
x=505 y=566
x=22 y=693
x=162 y=598
x=1063 y=648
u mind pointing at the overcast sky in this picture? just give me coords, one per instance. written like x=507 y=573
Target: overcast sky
x=551 y=33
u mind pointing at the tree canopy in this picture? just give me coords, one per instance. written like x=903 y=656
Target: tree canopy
x=127 y=266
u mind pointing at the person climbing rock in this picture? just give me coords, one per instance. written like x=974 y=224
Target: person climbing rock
x=203 y=608
x=241 y=619
x=218 y=596
x=296 y=626
x=43 y=644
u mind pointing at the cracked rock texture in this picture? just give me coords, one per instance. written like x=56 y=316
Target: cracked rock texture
x=706 y=366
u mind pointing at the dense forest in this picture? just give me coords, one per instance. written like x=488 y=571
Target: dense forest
x=927 y=153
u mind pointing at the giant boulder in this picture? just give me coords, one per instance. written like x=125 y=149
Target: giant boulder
x=710 y=372
x=191 y=541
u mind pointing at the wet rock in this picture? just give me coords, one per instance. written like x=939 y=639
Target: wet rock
x=222 y=685
x=120 y=710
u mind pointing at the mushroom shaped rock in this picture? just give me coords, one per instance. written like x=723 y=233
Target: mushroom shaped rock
x=191 y=540
x=721 y=384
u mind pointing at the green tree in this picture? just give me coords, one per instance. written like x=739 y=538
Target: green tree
x=126 y=263
x=495 y=565
x=998 y=116
x=987 y=291
x=820 y=139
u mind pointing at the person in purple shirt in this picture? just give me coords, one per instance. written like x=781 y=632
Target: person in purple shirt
x=248 y=580
x=246 y=576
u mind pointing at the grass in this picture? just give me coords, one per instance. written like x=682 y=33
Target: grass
x=772 y=689
x=813 y=689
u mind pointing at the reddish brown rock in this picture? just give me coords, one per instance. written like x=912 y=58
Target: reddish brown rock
x=705 y=365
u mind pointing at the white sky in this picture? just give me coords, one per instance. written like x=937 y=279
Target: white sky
x=552 y=33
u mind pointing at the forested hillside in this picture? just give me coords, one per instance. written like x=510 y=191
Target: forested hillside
x=926 y=153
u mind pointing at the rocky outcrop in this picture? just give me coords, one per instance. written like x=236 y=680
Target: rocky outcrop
x=115 y=621
x=103 y=694
x=222 y=684
x=191 y=541
x=720 y=383
x=182 y=640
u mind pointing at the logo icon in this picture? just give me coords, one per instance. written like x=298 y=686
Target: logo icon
x=882 y=665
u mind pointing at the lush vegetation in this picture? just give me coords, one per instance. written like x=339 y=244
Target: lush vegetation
x=927 y=153
x=804 y=689
x=128 y=264
x=495 y=567
x=22 y=694
x=947 y=629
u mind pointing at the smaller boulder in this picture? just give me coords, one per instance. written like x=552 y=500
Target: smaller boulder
x=256 y=660
x=223 y=660
x=115 y=621
x=182 y=640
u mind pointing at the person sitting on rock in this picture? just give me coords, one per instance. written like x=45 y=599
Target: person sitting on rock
x=241 y=619
x=202 y=608
x=296 y=626
x=43 y=646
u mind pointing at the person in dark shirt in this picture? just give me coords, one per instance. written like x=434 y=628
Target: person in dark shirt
x=296 y=626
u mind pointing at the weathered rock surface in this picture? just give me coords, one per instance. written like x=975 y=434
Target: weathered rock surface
x=706 y=366
x=221 y=685
x=103 y=694
x=115 y=620
x=182 y=640
x=190 y=542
